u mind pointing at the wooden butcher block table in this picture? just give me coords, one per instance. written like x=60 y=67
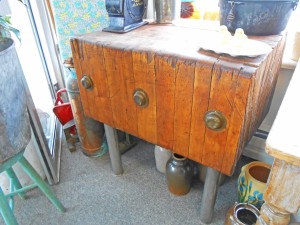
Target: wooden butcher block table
x=156 y=84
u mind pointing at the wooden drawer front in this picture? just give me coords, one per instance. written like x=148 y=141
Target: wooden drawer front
x=180 y=92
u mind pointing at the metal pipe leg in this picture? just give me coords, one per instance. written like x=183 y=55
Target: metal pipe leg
x=114 y=152
x=209 y=195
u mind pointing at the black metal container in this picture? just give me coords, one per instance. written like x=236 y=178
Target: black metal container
x=125 y=15
x=256 y=17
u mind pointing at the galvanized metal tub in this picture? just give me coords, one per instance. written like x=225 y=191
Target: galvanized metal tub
x=14 y=120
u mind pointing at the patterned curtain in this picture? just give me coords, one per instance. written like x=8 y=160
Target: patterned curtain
x=74 y=17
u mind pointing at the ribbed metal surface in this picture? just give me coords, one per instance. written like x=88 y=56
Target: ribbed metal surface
x=14 y=121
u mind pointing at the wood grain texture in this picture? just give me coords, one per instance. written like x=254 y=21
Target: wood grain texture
x=283 y=186
x=120 y=80
x=78 y=58
x=222 y=91
x=144 y=77
x=96 y=101
x=184 y=89
x=202 y=83
x=182 y=83
x=165 y=87
x=235 y=142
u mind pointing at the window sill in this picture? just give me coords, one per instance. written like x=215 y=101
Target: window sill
x=288 y=63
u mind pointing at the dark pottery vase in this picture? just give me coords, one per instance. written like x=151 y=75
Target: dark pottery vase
x=179 y=173
x=242 y=214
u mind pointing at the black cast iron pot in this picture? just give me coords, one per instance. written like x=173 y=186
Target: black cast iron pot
x=256 y=17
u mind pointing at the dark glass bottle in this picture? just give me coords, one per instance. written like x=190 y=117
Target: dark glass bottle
x=179 y=174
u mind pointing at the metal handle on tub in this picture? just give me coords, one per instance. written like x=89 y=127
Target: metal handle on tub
x=231 y=16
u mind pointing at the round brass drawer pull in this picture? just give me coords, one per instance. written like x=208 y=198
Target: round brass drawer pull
x=140 y=98
x=215 y=120
x=87 y=82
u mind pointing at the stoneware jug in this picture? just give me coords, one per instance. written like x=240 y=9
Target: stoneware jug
x=162 y=156
x=252 y=183
x=179 y=173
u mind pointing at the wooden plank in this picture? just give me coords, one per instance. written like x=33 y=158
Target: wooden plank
x=78 y=58
x=263 y=86
x=184 y=88
x=234 y=144
x=88 y=63
x=144 y=76
x=223 y=86
x=120 y=80
x=165 y=87
x=255 y=96
x=252 y=99
x=99 y=103
x=283 y=190
x=202 y=83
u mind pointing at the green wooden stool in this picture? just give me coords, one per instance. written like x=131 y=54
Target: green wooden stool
x=6 y=207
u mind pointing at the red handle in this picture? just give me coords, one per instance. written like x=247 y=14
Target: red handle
x=58 y=94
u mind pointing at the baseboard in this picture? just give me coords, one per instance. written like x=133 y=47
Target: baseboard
x=256 y=150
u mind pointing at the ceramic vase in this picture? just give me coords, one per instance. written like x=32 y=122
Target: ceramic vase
x=242 y=214
x=162 y=156
x=179 y=173
x=252 y=183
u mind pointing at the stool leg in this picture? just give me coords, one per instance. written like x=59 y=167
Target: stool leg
x=41 y=183
x=11 y=174
x=6 y=211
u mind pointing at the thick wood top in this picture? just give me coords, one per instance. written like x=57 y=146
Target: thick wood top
x=182 y=84
x=172 y=40
x=283 y=141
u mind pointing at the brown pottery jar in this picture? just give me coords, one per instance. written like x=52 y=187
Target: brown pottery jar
x=179 y=173
x=242 y=214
